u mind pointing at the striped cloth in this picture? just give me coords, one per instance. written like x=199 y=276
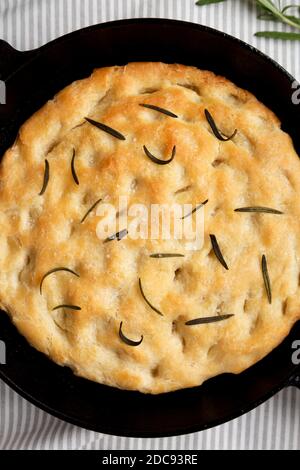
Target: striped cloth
x=29 y=23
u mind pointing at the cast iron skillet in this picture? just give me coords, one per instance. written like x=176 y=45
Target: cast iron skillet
x=33 y=77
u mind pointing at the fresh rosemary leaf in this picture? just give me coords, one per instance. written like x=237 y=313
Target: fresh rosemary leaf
x=117 y=236
x=208 y=2
x=215 y=130
x=167 y=255
x=278 y=35
x=107 y=129
x=90 y=210
x=157 y=160
x=147 y=301
x=55 y=270
x=46 y=178
x=160 y=110
x=217 y=251
x=128 y=341
x=266 y=210
x=70 y=307
x=73 y=168
x=206 y=320
x=195 y=209
x=183 y=190
x=266 y=278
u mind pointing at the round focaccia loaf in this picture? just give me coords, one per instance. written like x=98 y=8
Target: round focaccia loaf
x=42 y=228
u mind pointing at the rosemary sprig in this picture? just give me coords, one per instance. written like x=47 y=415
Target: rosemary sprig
x=183 y=190
x=258 y=209
x=219 y=135
x=167 y=255
x=117 y=236
x=272 y=10
x=201 y=3
x=90 y=210
x=195 y=209
x=157 y=160
x=217 y=251
x=107 y=129
x=46 y=178
x=278 y=35
x=73 y=168
x=126 y=340
x=147 y=301
x=70 y=307
x=55 y=270
x=159 y=110
x=266 y=278
x=278 y=13
x=206 y=320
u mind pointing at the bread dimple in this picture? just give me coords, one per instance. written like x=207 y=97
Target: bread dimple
x=258 y=167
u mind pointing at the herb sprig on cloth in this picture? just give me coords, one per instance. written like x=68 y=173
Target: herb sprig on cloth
x=269 y=10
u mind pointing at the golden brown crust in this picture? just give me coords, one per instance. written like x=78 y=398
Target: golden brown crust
x=38 y=233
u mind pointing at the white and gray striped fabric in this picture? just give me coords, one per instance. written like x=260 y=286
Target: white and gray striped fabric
x=29 y=23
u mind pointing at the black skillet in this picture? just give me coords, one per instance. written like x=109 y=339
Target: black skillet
x=35 y=76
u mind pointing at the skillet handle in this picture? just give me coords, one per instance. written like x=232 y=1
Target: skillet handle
x=11 y=59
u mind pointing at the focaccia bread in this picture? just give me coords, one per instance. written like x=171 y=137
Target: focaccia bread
x=131 y=320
